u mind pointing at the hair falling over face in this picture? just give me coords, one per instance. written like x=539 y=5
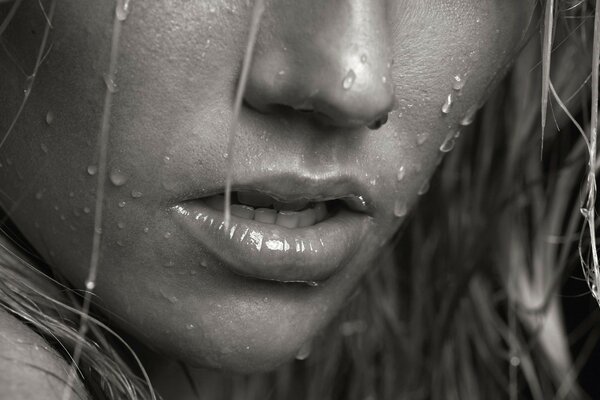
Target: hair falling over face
x=477 y=312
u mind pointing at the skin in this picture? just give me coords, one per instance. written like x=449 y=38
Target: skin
x=177 y=72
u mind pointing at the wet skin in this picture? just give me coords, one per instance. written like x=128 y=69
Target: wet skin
x=178 y=67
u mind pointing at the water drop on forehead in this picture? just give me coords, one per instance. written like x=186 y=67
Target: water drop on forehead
x=349 y=80
x=117 y=177
x=92 y=170
x=400 y=208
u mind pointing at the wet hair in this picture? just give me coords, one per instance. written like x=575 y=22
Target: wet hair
x=465 y=301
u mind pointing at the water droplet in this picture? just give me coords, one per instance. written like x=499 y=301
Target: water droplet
x=28 y=85
x=458 y=84
x=448 y=104
x=384 y=79
x=190 y=326
x=121 y=225
x=146 y=230
x=109 y=80
x=400 y=208
x=49 y=117
x=457 y=134
x=136 y=194
x=117 y=178
x=304 y=351
x=448 y=143
x=401 y=173
x=469 y=116
x=120 y=243
x=39 y=195
x=98 y=231
x=363 y=58
x=349 y=80
x=62 y=217
x=281 y=72
x=421 y=138
x=90 y=285
x=122 y=10
x=166 y=159
x=122 y=204
x=173 y=299
x=86 y=210
x=312 y=283
x=515 y=361
x=167 y=235
x=92 y=170
x=71 y=194
x=169 y=264
x=203 y=263
x=424 y=188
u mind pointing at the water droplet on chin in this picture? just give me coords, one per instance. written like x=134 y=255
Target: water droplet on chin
x=117 y=178
x=424 y=188
x=110 y=83
x=421 y=138
x=122 y=9
x=401 y=173
x=349 y=80
x=448 y=143
x=49 y=117
x=447 y=105
x=400 y=208
x=459 y=83
x=92 y=170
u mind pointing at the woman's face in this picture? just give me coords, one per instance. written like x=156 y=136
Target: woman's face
x=304 y=159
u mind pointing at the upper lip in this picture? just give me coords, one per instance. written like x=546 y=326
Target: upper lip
x=289 y=186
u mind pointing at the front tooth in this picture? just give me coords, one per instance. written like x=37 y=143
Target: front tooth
x=288 y=219
x=254 y=199
x=265 y=215
x=242 y=211
x=320 y=211
x=307 y=217
x=216 y=202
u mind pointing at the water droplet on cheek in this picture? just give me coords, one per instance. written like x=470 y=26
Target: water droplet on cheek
x=448 y=104
x=448 y=143
x=92 y=170
x=349 y=80
x=304 y=351
x=421 y=138
x=400 y=208
x=469 y=116
x=117 y=178
x=122 y=9
x=424 y=188
x=459 y=83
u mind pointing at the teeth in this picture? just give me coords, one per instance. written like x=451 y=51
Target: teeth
x=266 y=215
x=242 y=211
x=290 y=217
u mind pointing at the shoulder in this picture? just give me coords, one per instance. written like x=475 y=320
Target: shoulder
x=29 y=368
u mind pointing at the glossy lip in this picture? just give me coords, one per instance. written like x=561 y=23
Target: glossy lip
x=272 y=252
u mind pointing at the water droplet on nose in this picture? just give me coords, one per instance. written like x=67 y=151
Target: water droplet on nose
x=110 y=83
x=349 y=80
x=421 y=138
x=117 y=178
x=458 y=84
x=121 y=225
x=49 y=117
x=92 y=170
x=400 y=208
x=122 y=9
x=363 y=58
x=424 y=188
x=401 y=173
x=122 y=204
x=469 y=116
x=448 y=104
x=448 y=143
x=136 y=194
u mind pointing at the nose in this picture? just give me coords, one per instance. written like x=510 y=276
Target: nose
x=328 y=58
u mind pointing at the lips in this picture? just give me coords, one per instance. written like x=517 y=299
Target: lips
x=285 y=236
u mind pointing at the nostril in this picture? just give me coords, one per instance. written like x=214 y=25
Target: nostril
x=379 y=122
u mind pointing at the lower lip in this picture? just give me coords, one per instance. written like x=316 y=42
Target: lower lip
x=272 y=252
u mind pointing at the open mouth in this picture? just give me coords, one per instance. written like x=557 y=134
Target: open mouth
x=260 y=207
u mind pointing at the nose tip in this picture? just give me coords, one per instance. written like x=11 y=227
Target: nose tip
x=338 y=72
